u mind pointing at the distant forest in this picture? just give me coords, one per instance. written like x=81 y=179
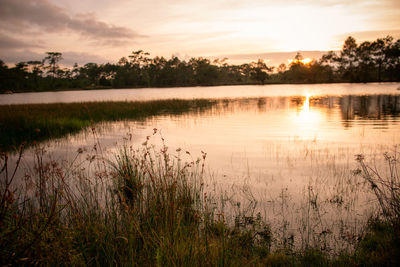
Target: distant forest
x=377 y=61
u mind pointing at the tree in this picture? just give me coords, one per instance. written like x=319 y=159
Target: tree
x=204 y=72
x=379 y=53
x=36 y=67
x=393 y=61
x=281 y=68
x=36 y=71
x=75 y=71
x=365 y=64
x=53 y=58
x=92 y=73
x=123 y=61
x=298 y=71
x=348 y=58
x=139 y=58
x=370 y=61
x=259 y=71
x=298 y=58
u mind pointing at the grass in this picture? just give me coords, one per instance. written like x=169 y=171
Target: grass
x=147 y=206
x=37 y=122
x=386 y=187
x=381 y=245
x=144 y=207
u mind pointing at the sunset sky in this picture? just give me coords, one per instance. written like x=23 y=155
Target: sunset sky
x=244 y=30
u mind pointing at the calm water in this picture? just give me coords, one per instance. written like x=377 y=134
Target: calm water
x=200 y=92
x=279 y=141
x=280 y=146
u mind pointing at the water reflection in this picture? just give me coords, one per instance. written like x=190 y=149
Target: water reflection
x=306 y=116
x=377 y=107
x=243 y=133
x=306 y=105
x=201 y=92
x=309 y=109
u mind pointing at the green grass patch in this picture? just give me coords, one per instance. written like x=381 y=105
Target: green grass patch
x=37 y=122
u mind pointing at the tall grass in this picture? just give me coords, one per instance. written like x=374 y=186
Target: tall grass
x=148 y=206
x=386 y=187
x=145 y=207
x=381 y=244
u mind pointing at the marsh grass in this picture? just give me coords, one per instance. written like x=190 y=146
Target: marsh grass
x=37 y=122
x=385 y=185
x=144 y=207
x=318 y=204
x=149 y=206
x=381 y=244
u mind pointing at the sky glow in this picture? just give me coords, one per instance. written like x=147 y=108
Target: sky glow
x=101 y=31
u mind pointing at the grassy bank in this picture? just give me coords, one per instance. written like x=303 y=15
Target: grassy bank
x=149 y=207
x=38 y=122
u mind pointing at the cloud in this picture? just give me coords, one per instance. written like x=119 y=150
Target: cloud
x=11 y=56
x=370 y=35
x=69 y=57
x=24 y=14
x=9 y=42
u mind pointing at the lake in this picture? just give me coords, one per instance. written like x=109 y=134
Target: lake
x=280 y=147
x=200 y=92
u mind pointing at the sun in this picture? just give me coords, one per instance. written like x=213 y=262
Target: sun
x=304 y=61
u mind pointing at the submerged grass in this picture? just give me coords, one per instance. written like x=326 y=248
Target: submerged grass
x=37 y=122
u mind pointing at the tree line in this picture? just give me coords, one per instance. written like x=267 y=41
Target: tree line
x=377 y=61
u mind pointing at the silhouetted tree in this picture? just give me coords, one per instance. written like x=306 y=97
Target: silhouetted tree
x=53 y=58
x=370 y=61
x=259 y=71
x=365 y=62
x=348 y=58
x=379 y=53
x=393 y=61
x=282 y=68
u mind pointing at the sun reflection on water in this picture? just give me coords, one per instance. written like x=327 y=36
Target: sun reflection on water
x=306 y=105
x=307 y=119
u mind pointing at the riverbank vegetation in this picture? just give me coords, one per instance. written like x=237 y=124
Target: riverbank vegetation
x=148 y=206
x=37 y=122
x=376 y=61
